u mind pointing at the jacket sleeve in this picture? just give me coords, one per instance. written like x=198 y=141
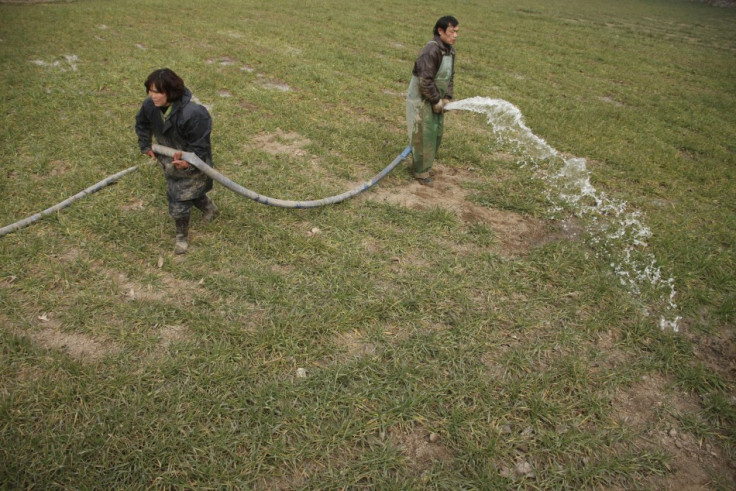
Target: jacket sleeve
x=143 y=130
x=426 y=68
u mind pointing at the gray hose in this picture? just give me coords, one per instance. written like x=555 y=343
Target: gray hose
x=237 y=188
x=66 y=202
x=197 y=162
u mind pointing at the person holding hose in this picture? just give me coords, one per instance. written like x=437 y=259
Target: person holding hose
x=430 y=90
x=169 y=114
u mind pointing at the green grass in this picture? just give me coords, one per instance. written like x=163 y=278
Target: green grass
x=123 y=366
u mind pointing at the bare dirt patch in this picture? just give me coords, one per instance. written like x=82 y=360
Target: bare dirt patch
x=293 y=145
x=421 y=448
x=171 y=289
x=352 y=346
x=651 y=410
x=717 y=351
x=282 y=143
x=133 y=204
x=172 y=334
x=513 y=230
x=78 y=346
x=277 y=85
x=60 y=167
x=222 y=61
x=50 y=333
x=355 y=345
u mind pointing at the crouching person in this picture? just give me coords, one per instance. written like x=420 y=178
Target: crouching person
x=169 y=114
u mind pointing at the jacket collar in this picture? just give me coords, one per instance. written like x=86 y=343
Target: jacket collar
x=176 y=107
x=447 y=49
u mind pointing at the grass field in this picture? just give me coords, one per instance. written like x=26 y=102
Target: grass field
x=480 y=334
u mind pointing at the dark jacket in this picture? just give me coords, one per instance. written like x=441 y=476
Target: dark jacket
x=187 y=128
x=428 y=64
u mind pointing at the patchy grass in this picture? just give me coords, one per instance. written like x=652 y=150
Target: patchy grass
x=452 y=337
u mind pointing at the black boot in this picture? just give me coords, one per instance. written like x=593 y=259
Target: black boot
x=208 y=207
x=182 y=235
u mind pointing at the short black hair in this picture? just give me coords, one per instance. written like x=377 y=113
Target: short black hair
x=444 y=22
x=166 y=81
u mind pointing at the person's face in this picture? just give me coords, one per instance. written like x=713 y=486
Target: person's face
x=449 y=35
x=159 y=98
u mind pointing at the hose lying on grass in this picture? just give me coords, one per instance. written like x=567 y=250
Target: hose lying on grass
x=237 y=188
x=66 y=202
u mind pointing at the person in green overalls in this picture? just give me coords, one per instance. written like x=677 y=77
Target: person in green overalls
x=430 y=90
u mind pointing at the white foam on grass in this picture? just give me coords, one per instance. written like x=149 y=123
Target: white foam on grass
x=616 y=232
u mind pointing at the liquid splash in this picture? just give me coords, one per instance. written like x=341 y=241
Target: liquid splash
x=614 y=230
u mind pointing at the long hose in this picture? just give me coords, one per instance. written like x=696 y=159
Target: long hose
x=66 y=202
x=199 y=164
x=237 y=188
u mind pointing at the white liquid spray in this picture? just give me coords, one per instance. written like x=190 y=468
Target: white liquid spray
x=615 y=232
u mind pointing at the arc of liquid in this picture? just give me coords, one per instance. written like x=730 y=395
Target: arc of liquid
x=617 y=231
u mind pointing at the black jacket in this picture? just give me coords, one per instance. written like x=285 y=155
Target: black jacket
x=187 y=128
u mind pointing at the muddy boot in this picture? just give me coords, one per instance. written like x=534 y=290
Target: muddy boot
x=208 y=207
x=182 y=235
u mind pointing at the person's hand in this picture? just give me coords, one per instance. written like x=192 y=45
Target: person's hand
x=178 y=163
x=445 y=102
x=437 y=108
x=150 y=154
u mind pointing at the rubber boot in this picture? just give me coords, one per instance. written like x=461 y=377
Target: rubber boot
x=208 y=207
x=182 y=235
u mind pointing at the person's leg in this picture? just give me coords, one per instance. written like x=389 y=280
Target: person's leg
x=182 y=235
x=180 y=211
x=208 y=207
x=425 y=144
x=440 y=129
x=416 y=141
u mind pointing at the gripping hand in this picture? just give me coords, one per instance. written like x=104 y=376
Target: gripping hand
x=179 y=163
